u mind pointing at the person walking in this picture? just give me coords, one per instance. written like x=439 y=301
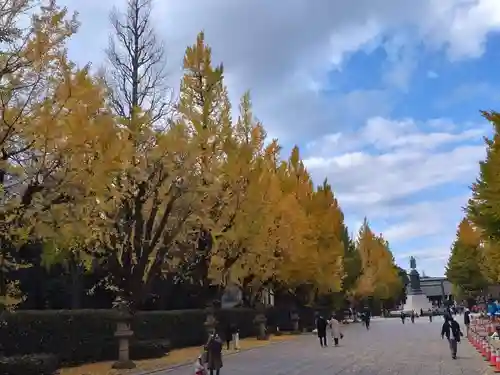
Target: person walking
x=214 y=354
x=451 y=329
x=335 y=330
x=403 y=317
x=467 y=322
x=321 y=325
x=366 y=319
x=199 y=366
x=412 y=316
x=430 y=312
x=228 y=335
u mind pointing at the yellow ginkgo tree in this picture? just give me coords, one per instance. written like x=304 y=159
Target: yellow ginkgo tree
x=379 y=276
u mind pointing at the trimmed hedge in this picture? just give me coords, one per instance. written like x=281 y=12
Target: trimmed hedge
x=35 y=364
x=81 y=336
x=75 y=336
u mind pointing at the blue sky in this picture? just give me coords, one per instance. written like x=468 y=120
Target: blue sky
x=383 y=97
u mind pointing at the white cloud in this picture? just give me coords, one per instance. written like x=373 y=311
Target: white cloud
x=403 y=160
x=362 y=178
x=433 y=253
x=431 y=259
x=283 y=52
x=427 y=218
x=405 y=134
x=387 y=162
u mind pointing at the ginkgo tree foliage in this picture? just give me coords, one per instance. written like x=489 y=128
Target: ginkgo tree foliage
x=379 y=276
x=53 y=124
x=474 y=261
x=464 y=268
x=112 y=174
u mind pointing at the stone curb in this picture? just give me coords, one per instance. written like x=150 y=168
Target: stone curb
x=186 y=363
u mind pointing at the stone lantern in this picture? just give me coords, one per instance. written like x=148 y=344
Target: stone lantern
x=260 y=320
x=210 y=321
x=123 y=333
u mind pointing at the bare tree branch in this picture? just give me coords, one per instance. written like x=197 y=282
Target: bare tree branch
x=137 y=76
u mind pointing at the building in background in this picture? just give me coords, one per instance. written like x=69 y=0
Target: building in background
x=437 y=289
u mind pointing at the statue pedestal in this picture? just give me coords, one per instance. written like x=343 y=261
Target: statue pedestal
x=417 y=302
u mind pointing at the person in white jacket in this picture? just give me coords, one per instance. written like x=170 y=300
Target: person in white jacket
x=199 y=367
x=336 y=332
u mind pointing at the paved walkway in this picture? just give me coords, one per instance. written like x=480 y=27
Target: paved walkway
x=389 y=348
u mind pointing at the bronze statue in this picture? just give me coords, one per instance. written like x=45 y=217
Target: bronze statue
x=413 y=263
x=414 y=276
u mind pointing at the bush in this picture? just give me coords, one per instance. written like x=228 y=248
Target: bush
x=75 y=336
x=34 y=364
x=81 y=336
x=149 y=349
x=182 y=327
x=240 y=318
x=281 y=318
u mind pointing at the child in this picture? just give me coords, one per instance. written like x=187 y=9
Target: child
x=199 y=367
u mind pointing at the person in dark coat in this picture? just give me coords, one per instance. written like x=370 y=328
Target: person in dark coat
x=228 y=335
x=214 y=354
x=366 y=318
x=403 y=317
x=412 y=316
x=321 y=325
x=467 y=322
x=451 y=329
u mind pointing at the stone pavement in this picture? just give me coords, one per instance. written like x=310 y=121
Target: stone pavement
x=387 y=348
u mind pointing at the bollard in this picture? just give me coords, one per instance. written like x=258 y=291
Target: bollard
x=497 y=368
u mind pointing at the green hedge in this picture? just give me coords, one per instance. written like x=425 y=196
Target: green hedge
x=37 y=364
x=80 y=336
x=74 y=336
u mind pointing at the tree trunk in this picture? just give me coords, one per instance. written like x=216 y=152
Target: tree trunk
x=76 y=283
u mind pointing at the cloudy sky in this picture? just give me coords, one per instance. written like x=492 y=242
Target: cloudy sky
x=382 y=97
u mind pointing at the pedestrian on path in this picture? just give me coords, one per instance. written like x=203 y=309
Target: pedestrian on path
x=430 y=312
x=412 y=316
x=467 y=322
x=366 y=319
x=321 y=325
x=214 y=354
x=199 y=366
x=335 y=330
x=403 y=317
x=451 y=329
x=228 y=335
